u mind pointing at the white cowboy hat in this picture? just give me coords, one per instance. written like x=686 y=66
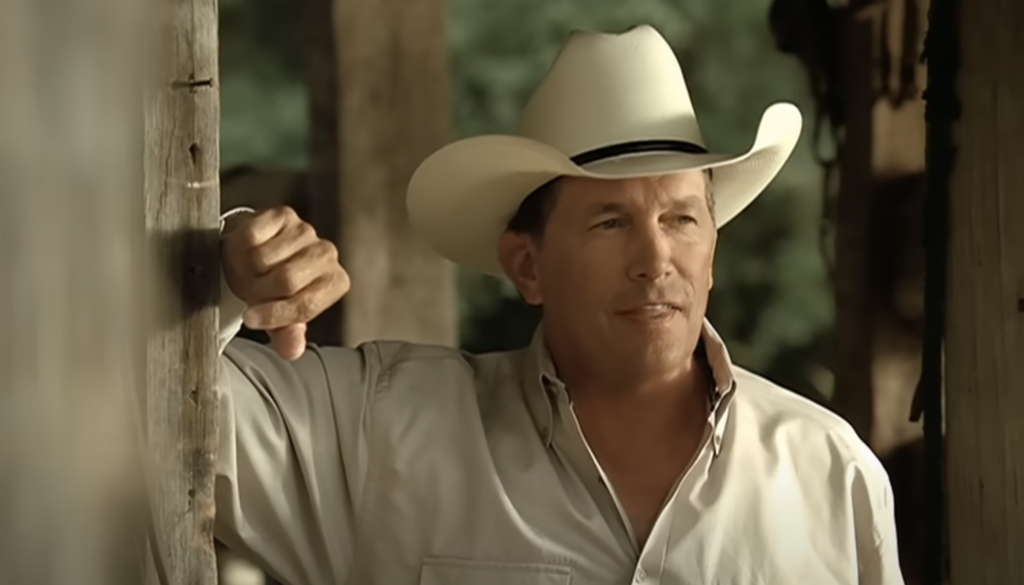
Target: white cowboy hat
x=612 y=106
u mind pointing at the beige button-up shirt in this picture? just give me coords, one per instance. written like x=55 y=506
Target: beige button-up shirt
x=400 y=464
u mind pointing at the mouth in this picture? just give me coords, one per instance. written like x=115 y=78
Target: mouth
x=652 y=310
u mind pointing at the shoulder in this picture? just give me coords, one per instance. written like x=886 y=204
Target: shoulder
x=835 y=470
x=809 y=431
x=434 y=369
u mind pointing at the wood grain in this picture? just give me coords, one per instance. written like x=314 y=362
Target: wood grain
x=182 y=159
x=985 y=317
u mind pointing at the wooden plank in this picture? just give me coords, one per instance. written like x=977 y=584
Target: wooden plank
x=69 y=313
x=985 y=311
x=393 y=73
x=182 y=202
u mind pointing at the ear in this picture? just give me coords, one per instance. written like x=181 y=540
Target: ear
x=518 y=255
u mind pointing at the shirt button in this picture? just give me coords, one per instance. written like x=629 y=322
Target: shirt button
x=640 y=576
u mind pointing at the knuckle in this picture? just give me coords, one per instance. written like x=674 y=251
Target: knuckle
x=306 y=231
x=259 y=260
x=343 y=280
x=327 y=249
x=247 y=236
x=286 y=213
x=307 y=308
x=288 y=279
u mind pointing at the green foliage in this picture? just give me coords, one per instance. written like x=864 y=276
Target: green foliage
x=264 y=113
x=772 y=301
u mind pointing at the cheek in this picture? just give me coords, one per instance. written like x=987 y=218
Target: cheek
x=696 y=263
x=573 y=280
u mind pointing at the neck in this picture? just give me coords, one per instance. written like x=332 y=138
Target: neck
x=638 y=387
x=652 y=411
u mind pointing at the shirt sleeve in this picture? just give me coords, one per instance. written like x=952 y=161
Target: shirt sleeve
x=293 y=452
x=879 y=553
x=293 y=457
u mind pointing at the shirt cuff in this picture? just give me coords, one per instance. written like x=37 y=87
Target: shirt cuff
x=231 y=307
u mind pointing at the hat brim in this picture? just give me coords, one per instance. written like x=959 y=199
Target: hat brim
x=461 y=198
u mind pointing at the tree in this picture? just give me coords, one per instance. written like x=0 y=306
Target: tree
x=392 y=60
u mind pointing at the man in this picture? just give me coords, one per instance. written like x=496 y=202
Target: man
x=621 y=446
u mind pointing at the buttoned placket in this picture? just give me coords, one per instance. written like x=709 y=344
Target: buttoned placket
x=568 y=436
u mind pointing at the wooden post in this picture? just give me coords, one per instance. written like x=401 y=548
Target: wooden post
x=322 y=186
x=985 y=311
x=879 y=260
x=182 y=203
x=70 y=217
x=863 y=62
x=393 y=79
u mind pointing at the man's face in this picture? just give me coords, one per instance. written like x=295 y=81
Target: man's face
x=624 y=269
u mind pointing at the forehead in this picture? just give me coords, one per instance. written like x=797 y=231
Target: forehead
x=582 y=192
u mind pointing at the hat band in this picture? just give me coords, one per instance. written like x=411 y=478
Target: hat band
x=636 y=147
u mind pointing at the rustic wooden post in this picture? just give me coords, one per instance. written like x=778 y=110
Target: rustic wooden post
x=863 y=61
x=985 y=311
x=879 y=277
x=392 y=60
x=70 y=218
x=182 y=202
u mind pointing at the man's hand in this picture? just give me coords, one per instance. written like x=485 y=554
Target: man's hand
x=284 y=272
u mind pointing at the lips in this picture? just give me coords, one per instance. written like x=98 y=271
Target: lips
x=651 y=308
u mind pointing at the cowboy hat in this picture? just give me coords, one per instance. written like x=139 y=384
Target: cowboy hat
x=612 y=106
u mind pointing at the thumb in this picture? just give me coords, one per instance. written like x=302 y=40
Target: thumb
x=290 y=341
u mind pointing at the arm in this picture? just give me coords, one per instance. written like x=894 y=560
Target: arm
x=873 y=506
x=292 y=458
x=292 y=444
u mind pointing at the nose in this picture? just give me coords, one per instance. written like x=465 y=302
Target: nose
x=651 y=253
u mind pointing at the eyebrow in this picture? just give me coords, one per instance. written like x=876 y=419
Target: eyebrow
x=686 y=202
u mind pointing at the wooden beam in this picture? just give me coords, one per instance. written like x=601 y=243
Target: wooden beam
x=985 y=311
x=393 y=79
x=182 y=202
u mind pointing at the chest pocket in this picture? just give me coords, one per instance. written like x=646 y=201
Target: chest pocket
x=447 y=571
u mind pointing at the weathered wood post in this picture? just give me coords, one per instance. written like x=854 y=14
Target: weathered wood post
x=980 y=44
x=182 y=203
x=70 y=219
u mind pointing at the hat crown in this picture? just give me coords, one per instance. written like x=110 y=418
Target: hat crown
x=606 y=89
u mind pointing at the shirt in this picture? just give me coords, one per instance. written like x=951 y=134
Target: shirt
x=401 y=464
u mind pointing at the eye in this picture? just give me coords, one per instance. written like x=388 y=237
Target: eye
x=609 y=224
x=684 y=219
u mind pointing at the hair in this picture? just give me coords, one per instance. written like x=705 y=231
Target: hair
x=532 y=215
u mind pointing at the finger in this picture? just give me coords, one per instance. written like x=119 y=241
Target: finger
x=298 y=272
x=300 y=308
x=289 y=342
x=263 y=226
x=292 y=239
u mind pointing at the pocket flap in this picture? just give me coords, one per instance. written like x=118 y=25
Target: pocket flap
x=449 y=571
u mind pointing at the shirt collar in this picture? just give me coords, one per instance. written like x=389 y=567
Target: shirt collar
x=542 y=387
